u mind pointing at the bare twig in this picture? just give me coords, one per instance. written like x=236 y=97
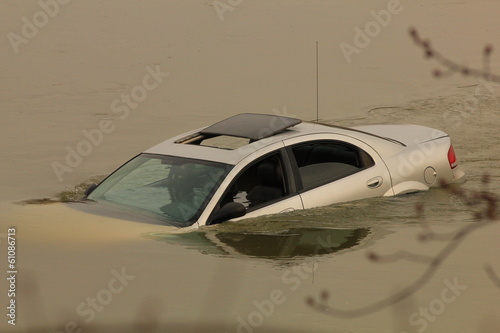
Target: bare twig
x=450 y=66
x=485 y=216
x=322 y=305
x=492 y=275
x=400 y=255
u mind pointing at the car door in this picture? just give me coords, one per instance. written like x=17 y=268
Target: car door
x=263 y=184
x=267 y=186
x=332 y=168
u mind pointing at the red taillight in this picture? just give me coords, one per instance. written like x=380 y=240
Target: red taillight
x=452 y=158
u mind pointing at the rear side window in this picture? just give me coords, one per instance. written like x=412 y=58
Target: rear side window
x=323 y=162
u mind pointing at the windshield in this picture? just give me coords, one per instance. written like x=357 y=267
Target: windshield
x=172 y=188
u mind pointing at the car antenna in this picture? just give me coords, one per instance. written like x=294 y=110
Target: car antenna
x=317 y=84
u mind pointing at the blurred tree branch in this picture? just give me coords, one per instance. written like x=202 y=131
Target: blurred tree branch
x=485 y=215
x=451 y=67
x=492 y=275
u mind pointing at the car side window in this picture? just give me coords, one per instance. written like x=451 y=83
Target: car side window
x=323 y=162
x=261 y=183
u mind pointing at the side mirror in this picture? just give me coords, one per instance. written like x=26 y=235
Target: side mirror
x=231 y=210
x=90 y=189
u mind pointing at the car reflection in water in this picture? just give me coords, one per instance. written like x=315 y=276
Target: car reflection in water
x=291 y=243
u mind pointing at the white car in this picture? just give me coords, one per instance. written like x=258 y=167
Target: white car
x=255 y=164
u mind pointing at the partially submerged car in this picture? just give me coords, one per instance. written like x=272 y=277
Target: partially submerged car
x=255 y=164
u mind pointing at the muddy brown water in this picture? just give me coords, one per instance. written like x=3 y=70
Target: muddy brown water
x=78 y=271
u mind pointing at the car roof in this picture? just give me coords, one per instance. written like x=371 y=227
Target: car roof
x=261 y=131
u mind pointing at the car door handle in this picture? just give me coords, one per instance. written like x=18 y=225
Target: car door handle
x=374 y=182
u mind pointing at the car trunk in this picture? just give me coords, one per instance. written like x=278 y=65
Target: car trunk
x=406 y=134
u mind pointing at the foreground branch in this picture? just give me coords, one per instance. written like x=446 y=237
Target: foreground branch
x=485 y=216
x=450 y=66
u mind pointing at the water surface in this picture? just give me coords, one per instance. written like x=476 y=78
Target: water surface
x=254 y=275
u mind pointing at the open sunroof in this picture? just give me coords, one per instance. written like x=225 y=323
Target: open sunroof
x=252 y=126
